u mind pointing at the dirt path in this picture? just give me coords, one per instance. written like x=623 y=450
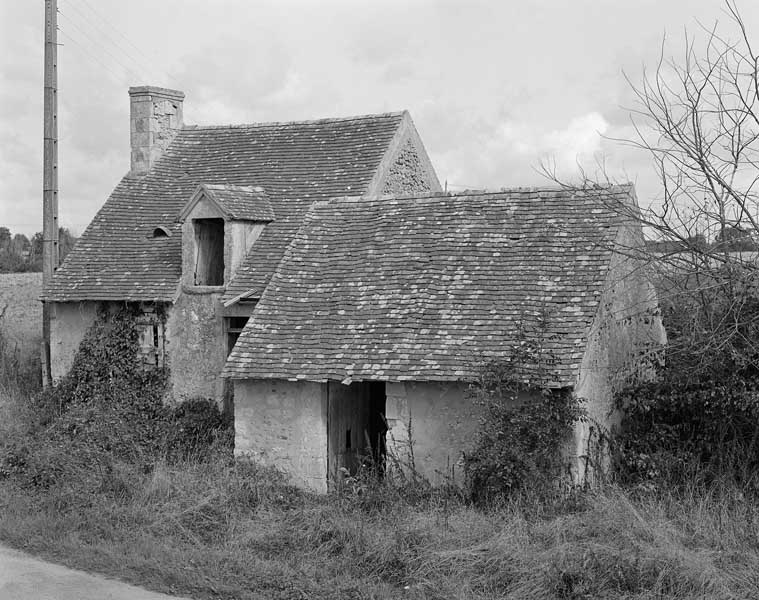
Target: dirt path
x=23 y=577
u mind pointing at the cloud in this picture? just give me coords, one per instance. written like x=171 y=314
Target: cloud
x=492 y=87
x=577 y=143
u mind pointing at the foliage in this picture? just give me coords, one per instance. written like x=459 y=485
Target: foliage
x=108 y=398
x=19 y=255
x=702 y=410
x=525 y=424
x=108 y=408
x=697 y=117
x=196 y=428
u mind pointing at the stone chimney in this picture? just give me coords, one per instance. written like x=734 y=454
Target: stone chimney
x=155 y=118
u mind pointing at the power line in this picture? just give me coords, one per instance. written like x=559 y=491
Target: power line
x=96 y=43
x=106 y=36
x=131 y=72
x=92 y=57
x=149 y=60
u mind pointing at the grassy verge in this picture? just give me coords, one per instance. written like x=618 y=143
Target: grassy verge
x=217 y=530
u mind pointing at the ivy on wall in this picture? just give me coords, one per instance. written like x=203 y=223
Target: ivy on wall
x=525 y=424
x=109 y=408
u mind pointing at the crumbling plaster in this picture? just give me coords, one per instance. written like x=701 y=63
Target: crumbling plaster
x=284 y=424
x=69 y=321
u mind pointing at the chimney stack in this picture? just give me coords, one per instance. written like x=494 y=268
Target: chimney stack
x=155 y=118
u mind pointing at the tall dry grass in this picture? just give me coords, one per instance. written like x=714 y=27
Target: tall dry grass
x=235 y=530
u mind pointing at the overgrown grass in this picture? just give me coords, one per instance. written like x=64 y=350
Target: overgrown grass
x=220 y=529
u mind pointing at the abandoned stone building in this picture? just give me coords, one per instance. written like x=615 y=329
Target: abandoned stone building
x=196 y=228
x=316 y=270
x=383 y=308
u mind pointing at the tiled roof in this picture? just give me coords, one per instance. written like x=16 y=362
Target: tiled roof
x=421 y=288
x=241 y=202
x=296 y=163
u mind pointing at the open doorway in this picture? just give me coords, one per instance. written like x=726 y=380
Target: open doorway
x=356 y=427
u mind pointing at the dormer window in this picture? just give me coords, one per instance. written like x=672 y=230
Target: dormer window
x=209 y=246
x=220 y=223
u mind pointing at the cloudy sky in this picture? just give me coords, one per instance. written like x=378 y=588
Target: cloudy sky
x=494 y=87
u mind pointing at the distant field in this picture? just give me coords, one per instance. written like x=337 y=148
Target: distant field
x=19 y=292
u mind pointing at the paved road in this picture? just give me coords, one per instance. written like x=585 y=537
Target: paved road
x=23 y=577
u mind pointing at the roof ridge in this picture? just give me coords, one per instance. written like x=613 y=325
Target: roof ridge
x=325 y=120
x=214 y=186
x=614 y=189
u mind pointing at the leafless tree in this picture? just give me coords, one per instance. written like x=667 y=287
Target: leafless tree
x=697 y=116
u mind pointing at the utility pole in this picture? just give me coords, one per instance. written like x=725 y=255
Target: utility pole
x=50 y=175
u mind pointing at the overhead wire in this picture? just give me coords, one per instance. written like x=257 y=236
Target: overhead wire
x=138 y=69
x=91 y=57
x=108 y=38
x=125 y=38
x=71 y=22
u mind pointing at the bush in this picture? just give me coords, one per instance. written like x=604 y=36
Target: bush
x=701 y=412
x=671 y=427
x=109 y=408
x=522 y=434
x=196 y=427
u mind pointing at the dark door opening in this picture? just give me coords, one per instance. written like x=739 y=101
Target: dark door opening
x=356 y=427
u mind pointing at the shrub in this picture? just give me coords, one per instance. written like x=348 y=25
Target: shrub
x=522 y=433
x=107 y=408
x=672 y=426
x=701 y=412
x=196 y=427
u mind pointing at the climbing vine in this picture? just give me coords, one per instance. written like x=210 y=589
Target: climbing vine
x=110 y=407
x=525 y=423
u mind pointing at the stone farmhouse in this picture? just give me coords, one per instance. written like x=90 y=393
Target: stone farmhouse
x=196 y=228
x=314 y=278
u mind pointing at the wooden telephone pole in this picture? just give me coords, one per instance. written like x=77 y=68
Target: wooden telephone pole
x=50 y=175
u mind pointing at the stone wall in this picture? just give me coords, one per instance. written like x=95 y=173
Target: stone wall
x=626 y=338
x=196 y=346
x=69 y=321
x=443 y=424
x=193 y=338
x=406 y=174
x=155 y=119
x=284 y=423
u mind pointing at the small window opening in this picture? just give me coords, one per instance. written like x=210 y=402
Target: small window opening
x=209 y=251
x=234 y=327
x=152 y=340
x=348 y=439
x=160 y=232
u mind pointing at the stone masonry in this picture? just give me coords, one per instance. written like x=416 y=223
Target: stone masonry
x=406 y=175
